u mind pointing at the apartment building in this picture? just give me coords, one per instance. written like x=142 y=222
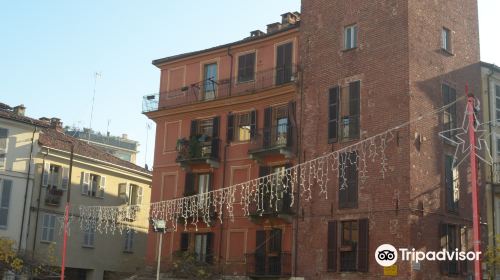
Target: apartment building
x=368 y=66
x=18 y=145
x=226 y=115
x=490 y=97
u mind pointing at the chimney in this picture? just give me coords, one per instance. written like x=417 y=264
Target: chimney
x=273 y=27
x=44 y=119
x=56 y=124
x=125 y=136
x=256 y=33
x=19 y=110
x=290 y=18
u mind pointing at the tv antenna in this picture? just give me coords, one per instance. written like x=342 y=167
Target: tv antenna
x=96 y=75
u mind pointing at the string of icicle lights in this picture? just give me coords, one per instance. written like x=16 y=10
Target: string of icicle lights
x=257 y=195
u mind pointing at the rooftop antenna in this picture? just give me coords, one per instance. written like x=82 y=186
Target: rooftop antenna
x=107 y=128
x=96 y=75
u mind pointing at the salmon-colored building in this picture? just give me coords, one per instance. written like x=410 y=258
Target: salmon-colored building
x=224 y=116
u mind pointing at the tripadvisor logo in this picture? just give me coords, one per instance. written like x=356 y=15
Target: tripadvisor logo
x=387 y=255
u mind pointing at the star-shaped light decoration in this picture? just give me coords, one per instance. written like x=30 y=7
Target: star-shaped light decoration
x=460 y=138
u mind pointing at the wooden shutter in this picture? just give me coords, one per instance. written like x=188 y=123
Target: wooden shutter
x=260 y=252
x=463 y=247
x=268 y=115
x=215 y=127
x=332 y=246
x=253 y=124
x=5 y=201
x=354 y=109
x=139 y=195
x=65 y=178
x=448 y=182
x=363 y=247
x=333 y=114
x=210 y=248
x=275 y=240
x=348 y=197
x=194 y=128
x=230 y=127
x=184 y=241
x=290 y=138
x=189 y=188
x=242 y=68
x=85 y=183
x=443 y=237
x=45 y=174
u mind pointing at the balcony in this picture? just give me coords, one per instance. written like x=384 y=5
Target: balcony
x=209 y=90
x=271 y=265
x=53 y=196
x=272 y=208
x=198 y=150
x=273 y=140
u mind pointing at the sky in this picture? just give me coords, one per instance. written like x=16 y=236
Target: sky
x=51 y=50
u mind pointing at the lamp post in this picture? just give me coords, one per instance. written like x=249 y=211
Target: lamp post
x=160 y=227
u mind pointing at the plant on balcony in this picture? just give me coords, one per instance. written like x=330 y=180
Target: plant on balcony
x=185 y=265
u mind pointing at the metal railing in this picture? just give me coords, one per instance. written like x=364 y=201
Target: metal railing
x=269 y=264
x=272 y=137
x=53 y=196
x=194 y=149
x=268 y=205
x=209 y=89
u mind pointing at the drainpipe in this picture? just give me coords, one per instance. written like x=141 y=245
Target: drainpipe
x=230 y=70
x=223 y=185
x=38 y=204
x=492 y=189
x=26 y=192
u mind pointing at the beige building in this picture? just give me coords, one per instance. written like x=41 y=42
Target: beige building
x=490 y=98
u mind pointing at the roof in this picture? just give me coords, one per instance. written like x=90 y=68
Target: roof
x=491 y=66
x=53 y=138
x=6 y=113
x=157 y=62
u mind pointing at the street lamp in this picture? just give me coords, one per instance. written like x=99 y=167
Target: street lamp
x=159 y=226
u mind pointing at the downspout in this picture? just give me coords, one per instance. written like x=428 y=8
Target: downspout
x=222 y=224
x=492 y=189
x=38 y=204
x=26 y=193
x=230 y=70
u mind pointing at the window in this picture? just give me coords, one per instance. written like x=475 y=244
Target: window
x=197 y=183
x=347 y=245
x=210 y=81
x=89 y=237
x=446 y=39
x=129 y=241
x=203 y=247
x=452 y=184
x=4 y=133
x=130 y=193
x=344 y=112
x=453 y=237
x=5 y=191
x=450 y=114
x=277 y=130
x=241 y=127
x=348 y=181
x=93 y=185
x=284 y=68
x=184 y=241
x=268 y=250
x=497 y=103
x=206 y=128
x=350 y=37
x=55 y=176
x=48 y=227
x=246 y=67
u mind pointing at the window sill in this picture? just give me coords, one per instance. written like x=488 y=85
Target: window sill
x=349 y=49
x=245 y=82
x=47 y=242
x=127 y=252
x=88 y=246
x=447 y=52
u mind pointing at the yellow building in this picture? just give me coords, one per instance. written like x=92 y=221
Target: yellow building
x=100 y=179
x=490 y=98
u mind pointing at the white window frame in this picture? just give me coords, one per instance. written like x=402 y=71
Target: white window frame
x=2 y=206
x=446 y=39
x=89 y=237
x=129 y=241
x=48 y=228
x=351 y=41
x=3 y=151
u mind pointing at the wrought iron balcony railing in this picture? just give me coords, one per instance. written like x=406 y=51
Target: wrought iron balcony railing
x=272 y=139
x=209 y=90
x=196 y=150
x=269 y=265
x=53 y=196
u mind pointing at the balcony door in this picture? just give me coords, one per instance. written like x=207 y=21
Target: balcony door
x=284 y=63
x=268 y=252
x=210 y=81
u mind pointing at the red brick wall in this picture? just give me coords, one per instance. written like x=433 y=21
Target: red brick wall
x=401 y=67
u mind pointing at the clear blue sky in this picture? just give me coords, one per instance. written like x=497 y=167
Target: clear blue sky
x=51 y=49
